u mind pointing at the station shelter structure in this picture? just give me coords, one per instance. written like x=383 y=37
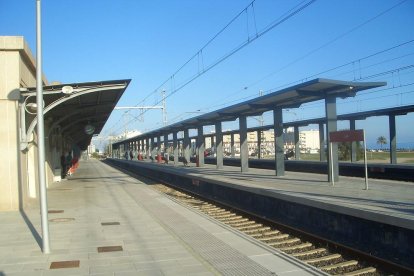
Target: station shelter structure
x=328 y=90
x=73 y=114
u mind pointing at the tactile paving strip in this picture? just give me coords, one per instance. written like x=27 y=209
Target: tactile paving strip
x=221 y=256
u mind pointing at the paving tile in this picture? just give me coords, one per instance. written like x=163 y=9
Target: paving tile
x=10 y=268
x=63 y=257
x=150 y=272
x=35 y=266
x=188 y=270
x=66 y=272
x=121 y=260
x=32 y=273
x=158 y=236
x=112 y=268
x=102 y=274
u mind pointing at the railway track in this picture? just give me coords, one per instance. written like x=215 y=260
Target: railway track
x=324 y=257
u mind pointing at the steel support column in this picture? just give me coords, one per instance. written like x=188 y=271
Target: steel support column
x=244 y=150
x=139 y=147
x=353 y=144
x=297 y=142
x=279 y=144
x=175 y=148
x=147 y=148
x=186 y=145
x=259 y=144
x=153 y=148
x=219 y=146
x=165 y=141
x=393 y=139
x=322 y=153
x=158 y=145
x=331 y=125
x=200 y=146
x=232 y=150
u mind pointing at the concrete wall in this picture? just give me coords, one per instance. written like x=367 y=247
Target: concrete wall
x=18 y=172
x=9 y=82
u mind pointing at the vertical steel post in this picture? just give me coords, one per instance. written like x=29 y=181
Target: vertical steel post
x=331 y=126
x=200 y=146
x=175 y=148
x=365 y=163
x=331 y=167
x=166 y=149
x=41 y=133
x=322 y=154
x=259 y=144
x=147 y=148
x=186 y=145
x=219 y=146
x=232 y=150
x=244 y=150
x=279 y=143
x=297 y=142
x=353 y=144
x=159 y=145
x=393 y=139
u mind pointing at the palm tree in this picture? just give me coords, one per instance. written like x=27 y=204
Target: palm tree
x=382 y=141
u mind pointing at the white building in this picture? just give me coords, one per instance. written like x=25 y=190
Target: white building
x=91 y=148
x=309 y=141
x=125 y=135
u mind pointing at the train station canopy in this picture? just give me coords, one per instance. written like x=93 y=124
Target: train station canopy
x=396 y=111
x=291 y=97
x=77 y=110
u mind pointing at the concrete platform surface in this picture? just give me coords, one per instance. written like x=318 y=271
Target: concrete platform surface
x=153 y=235
x=385 y=201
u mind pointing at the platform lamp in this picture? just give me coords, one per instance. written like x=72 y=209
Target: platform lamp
x=41 y=133
x=89 y=128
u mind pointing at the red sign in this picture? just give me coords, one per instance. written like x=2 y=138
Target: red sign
x=346 y=136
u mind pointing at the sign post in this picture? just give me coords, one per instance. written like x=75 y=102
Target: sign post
x=366 y=162
x=350 y=136
x=332 y=166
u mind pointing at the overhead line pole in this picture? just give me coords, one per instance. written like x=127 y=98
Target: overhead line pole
x=41 y=133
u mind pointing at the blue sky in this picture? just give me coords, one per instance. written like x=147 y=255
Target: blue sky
x=148 y=41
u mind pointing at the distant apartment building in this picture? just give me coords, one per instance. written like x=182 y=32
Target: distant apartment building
x=91 y=148
x=309 y=141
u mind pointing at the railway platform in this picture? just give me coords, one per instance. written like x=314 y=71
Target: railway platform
x=378 y=221
x=385 y=200
x=105 y=222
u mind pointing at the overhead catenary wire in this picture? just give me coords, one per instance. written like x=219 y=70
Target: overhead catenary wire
x=306 y=105
x=171 y=79
x=286 y=16
x=357 y=61
x=323 y=46
x=317 y=74
x=332 y=41
x=311 y=105
x=241 y=46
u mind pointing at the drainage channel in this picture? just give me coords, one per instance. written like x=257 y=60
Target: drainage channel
x=323 y=257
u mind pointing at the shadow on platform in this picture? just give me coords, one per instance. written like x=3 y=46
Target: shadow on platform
x=32 y=229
